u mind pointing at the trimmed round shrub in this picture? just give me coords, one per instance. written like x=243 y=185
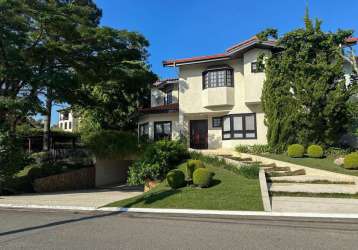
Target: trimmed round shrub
x=191 y=166
x=176 y=179
x=351 y=161
x=295 y=150
x=202 y=177
x=315 y=151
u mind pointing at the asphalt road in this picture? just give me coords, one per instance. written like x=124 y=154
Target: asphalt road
x=24 y=229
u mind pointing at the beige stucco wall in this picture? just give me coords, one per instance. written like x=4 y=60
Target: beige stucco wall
x=195 y=105
x=151 y=118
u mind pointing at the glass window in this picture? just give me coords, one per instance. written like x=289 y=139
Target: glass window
x=168 y=98
x=69 y=125
x=218 y=78
x=162 y=130
x=65 y=125
x=240 y=126
x=257 y=67
x=216 y=122
x=144 y=130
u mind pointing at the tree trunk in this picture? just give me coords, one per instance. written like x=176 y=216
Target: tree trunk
x=47 y=123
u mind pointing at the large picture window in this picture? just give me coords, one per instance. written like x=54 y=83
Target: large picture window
x=240 y=126
x=218 y=78
x=144 y=130
x=162 y=130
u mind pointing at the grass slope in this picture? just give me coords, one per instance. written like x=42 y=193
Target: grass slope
x=229 y=192
x=324 y=163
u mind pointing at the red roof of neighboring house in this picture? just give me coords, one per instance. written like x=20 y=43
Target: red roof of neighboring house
x=253 y=41
x=352 y=40
x=169 y=108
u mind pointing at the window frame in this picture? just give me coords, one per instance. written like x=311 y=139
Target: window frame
x=215 y=118
x=243 y=131
x=228 y=72
x=260 y=67
x=168 y=96
x=146 y=124
x=156 y=137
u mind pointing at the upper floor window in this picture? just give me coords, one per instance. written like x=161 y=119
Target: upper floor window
x=168 y=98
x=64 y=116
x=257 y=67
x=222 y=77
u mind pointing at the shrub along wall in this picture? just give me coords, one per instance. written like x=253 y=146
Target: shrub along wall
x=79 y=179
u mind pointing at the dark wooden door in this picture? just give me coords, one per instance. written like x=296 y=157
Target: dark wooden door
x=199 y=134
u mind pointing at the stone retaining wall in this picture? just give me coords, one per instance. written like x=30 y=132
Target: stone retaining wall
x=78 y=179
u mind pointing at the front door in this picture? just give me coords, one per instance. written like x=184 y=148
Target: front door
x=199 y=134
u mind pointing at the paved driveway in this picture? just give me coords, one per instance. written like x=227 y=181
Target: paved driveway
x=81 y=198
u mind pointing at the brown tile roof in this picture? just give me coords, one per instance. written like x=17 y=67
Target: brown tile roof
x=169 y=108
x=234 y=49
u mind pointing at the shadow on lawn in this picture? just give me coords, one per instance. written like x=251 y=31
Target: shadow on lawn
x=153 y=197
x=150 y=198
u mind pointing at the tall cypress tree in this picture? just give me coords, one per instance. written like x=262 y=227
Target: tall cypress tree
x=305 y=96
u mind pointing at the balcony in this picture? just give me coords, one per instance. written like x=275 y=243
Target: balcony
x=216 y=97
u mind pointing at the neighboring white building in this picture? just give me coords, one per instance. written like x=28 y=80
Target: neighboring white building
x=67 y=121
x=215 y=102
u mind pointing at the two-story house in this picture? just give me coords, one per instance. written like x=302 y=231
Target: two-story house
x=67 y=120
x=216 y=100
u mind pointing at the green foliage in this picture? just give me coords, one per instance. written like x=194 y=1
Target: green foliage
x=12 y=157
x=203 y=177
x=335 y=152
x=304 y=97
x=266 y=34
x=156 y=161
x=112 y=144
x=242 y=148
x=295 y=151
x=176 y=178
x=250 y=171
x=351 y=161
x=191 y=165
x=254 y=149
x=141 y=170
x=315 y=151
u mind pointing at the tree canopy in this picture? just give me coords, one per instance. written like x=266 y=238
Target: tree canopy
x=305 y=95
x=56 y=50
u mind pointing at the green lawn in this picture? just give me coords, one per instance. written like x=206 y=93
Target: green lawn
x=229 y=192
x=324 y=163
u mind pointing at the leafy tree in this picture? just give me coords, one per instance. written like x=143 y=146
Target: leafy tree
x=305 y=96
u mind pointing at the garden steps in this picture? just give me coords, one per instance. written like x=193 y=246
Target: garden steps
x=313 y=178
x=313 y=188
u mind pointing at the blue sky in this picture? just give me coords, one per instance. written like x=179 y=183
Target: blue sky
x=186 y=28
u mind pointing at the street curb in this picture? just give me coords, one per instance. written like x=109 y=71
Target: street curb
x=187 y=211
x=264 y=191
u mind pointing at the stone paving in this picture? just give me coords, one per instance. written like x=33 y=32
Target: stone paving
x=79 y=198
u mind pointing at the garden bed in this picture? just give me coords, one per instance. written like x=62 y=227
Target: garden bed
x=229 y=191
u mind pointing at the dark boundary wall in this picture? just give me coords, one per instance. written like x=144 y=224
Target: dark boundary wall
x=78 y=179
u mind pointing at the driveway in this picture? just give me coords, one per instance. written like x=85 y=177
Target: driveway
x=80 y=198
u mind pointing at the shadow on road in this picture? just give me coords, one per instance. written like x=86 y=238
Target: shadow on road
x=58 y=223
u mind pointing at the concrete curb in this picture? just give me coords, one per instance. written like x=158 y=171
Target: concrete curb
x=188 y=211
x=264 y=191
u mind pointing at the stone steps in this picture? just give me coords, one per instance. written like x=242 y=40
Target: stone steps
x=313 y=178
x=313 y=188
